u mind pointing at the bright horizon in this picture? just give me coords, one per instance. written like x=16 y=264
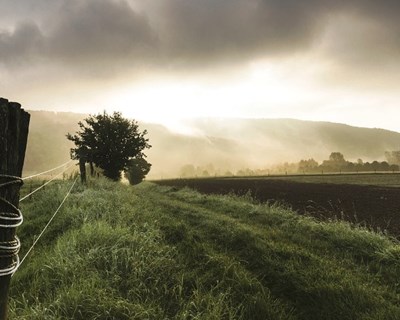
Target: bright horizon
x=164 y=61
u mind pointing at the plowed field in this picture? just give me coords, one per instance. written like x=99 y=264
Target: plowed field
x=377 y=207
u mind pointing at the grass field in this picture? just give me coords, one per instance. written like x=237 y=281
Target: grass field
x=152 y=252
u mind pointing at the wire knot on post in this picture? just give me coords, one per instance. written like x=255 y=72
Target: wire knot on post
x=12 y=180
x=10 y=249
x=10 y=219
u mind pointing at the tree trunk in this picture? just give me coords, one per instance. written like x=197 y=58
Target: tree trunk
x=91 y=169
x=82 y=168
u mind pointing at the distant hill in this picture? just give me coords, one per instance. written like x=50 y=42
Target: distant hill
x=47 y=145
x=289 y=139
x=229 y=144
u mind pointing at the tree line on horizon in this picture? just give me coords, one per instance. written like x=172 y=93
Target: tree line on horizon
x=336 y=163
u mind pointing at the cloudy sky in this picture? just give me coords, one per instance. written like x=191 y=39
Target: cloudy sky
x=164 y=60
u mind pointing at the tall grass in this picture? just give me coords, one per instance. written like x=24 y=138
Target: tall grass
x=150 y=252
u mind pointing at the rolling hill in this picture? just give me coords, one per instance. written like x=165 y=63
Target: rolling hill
x=226 y=144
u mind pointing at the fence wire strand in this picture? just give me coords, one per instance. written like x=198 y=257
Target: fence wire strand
x=48 y=223
x=46 y=183
x=47 y=171
x=13 y=180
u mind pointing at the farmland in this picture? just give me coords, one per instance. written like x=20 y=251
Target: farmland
x=383 y=179
x=372 y=200
x=153 y=252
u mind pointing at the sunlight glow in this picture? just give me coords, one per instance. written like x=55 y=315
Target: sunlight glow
x=265 y=91
x=282 y=89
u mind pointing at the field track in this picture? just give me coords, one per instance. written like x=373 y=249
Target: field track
x=377 y=207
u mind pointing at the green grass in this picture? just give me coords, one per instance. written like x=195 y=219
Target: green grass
x=151 y=252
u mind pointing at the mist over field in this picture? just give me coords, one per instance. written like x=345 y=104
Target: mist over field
x=219 y=146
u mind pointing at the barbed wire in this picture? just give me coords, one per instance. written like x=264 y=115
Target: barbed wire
x=47 y=171
x=46 y=183
x=48 y=223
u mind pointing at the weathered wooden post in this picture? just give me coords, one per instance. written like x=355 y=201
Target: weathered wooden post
x=14 y=123
x=82 y=169
x=91 y=168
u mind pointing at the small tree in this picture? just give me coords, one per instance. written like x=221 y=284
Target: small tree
x=337 y=158
x=136 y=170
x=110 y=142
x=309 y=165
x=336 y=162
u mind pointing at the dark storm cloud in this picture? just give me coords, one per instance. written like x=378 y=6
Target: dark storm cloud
x=83 y=33
x=226 y=28
x=366 y=30
x=263 y=28
x=101 y=30
x=108 y=32
x=24 y=43
x=12 y=11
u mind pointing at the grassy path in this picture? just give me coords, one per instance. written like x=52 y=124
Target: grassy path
x=312 y=271
x=150 y=252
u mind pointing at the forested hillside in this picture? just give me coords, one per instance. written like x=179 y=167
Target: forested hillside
x=47 y=145
x=227 y=144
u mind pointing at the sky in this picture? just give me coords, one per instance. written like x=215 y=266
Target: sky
x=168 y=60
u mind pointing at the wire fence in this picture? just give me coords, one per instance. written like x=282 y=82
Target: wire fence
x=46 y=183
x=48 y=223
x=14 y=218
x=47 y=171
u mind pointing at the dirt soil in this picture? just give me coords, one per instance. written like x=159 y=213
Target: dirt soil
x=373 y=206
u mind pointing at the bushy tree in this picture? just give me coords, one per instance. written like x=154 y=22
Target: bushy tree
x=309 y=165
x=110 y=142
x=337 y=157
x=335 y=163
x=136 y=170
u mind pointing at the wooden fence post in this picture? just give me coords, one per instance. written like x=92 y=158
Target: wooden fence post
x=91 y=168
x=82 y=169
x=14 y=123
